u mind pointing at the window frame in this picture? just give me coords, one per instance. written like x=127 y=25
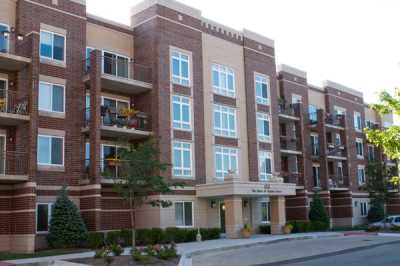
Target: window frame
x=116 y=64
x=181 y=104
x=228 y=71
x=183 y=209
x=8 y=39
x=357 y=122
x=232 y=151
x=315 y=145
x=50 y=150
x=369 y=148
x=220 y=131
x=263 y=155
x=318 y=177
x=52 y=46
x=363 y=209
x=268 y=212
x=360 y=142
x=182 y=169
x=363 y=181
x=262 y=117
x=179 y=79
x=260 y=99
x=50 y=214
x=51 y=99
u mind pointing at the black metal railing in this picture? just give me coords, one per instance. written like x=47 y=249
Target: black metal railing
x=293 y=178
x=289 y=109
x=290 y=143
x=335 y=120
x=110 y=168
x=336 y=150
x=13 y=163
x=10 y=103
x=337 y=181
x=313 y=118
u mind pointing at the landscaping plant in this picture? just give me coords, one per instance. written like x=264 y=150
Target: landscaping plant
x=318 y=216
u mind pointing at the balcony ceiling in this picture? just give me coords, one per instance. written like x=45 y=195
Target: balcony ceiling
x=12 y=62
x=13 y=179
x=7 y=119
x=117 y=132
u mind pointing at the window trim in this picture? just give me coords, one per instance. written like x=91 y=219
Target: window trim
x=189 y=62
x=218 y=89
x=314 y=147
x=220 y=106
x=270 y=156
x=355 y=121
x=183 y=202
x=215 y=160
x=50 y=214
x=8 y=39
x=180 y=110
x=116 y=69
x=264 y=117
x=360 y=156
x=268 y=203
x=259 y=99
x=192 y=174
x=51 y=100
x=369 y=146
x=361 y=209
x=52 y=46
x=318 y=166
x=361 y=182
x=63 y=150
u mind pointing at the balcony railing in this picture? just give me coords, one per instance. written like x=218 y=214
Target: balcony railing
x=293 y=178
x=110 y=168
x=372 y=125
x=337 y=182
x=10 y=103
x=313 y=118
x=290 y=143
x=335 y=120
x=289 y=109
x=336 y=151
x=13 y=164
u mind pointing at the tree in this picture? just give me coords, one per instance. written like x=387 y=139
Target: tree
x=318 y=216
x=139 y=177
x=378 y=183
x=67 y=228
x=376 y=212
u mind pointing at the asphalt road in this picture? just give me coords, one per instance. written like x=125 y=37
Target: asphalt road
x=343 y=251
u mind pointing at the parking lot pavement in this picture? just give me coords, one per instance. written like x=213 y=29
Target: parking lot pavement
x=272 y=254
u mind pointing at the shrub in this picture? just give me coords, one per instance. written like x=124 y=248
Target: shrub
x=167 y=252
x=318 y=226
x=95 y=240
x=265 y=229
x=126 y=237
x=376 y=212
x=318 y=216
x=116 y=249
x=210 y=233
x=373 y=229
x=156 y=236
x=113 y=237
x=67 y=229
x=138 y=256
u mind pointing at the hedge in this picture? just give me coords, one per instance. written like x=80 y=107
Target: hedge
x=265 y=229
x=152 y=236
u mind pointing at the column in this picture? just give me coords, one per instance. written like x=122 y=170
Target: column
x=233 y=216
x=278 y=214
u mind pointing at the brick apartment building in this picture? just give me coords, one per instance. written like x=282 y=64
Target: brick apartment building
x=250 y=142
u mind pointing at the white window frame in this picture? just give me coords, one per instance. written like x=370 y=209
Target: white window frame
x=262 y=175
x=338 y=137
x=220 y=89
x=8 y=39
x=50 y=214
x=183 y=209
x=263 y=79
x=319 y=175
x=176 y=124
x=52 y=46
x=315 y=146
x=63 y=149
x=268 y=208
x=102 y=159
x=261 y=118
x=225 y=151
x=339 y=110
x=369 y=152
x=225 y=132
x=357 y=118
x=116 y=64
x=180 y=79
x=181 y=168
x=296 y=98
x=51 y=99
x=363 y=209
x=360 y=141
x=361 y=179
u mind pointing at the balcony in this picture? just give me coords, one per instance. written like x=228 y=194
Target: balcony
x=289 y=111
x=123 y=76
x=335 y=121
x=372 y=125
x=337 y=183
x=10 y=61
x=13 y=167
x=123 y=124
x=290 y=145
x=291 y=177
x=336 y=152
x=13 y=110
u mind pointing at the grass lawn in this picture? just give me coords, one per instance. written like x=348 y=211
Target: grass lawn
x=37 y=254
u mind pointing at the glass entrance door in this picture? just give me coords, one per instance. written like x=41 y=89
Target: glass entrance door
x=222 y=216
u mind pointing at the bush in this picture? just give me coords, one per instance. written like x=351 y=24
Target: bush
x=373 y=229
x=95 y=240
x=318 y=226
x=67 y=229
x=126 y=237
x=318 y=216
x=265 y=229
x=301 y=226
x=116 y=249
x=113 y=237
x=376 y=212
x=210 y=233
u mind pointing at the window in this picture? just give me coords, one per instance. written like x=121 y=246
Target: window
x=360 y=148
x=181 y=112
x=357 y=121
x=263 y=127
x=361 y=174
x=89 y=50
x=371 y=153
x=87 y=155
x=262 y=85
x=43 y=217
x=109 y=153
x=4 y=38
x=182 y=158
x=313 y=113
x=338 y=141
x=51 y=97
x=265 y=165
x=339 y=110
x=265 y=212
x=296 y=98
x=340 y=169
x=113 y=107
x=180 y=68
x=364 y=209
x=184 y=214
x=52 y=46
x=314 y=145
x=50 y=150
x=116 y=65
x=316 y=175
x=224 y=121
x=226 y=161
x=223 y=80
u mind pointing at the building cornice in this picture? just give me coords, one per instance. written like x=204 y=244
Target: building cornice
x=340 y=87
x=292 y=70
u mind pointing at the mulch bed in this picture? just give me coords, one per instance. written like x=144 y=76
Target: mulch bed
x=126 y=261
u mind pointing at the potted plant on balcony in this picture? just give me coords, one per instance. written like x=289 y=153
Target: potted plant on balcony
x=130 y=113
x=287 y=228
x=246 y=231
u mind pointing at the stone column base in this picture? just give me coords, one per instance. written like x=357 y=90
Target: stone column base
x=233 y=217
x=278 y=214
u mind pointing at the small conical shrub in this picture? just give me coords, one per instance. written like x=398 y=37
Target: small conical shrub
x=376 y=212
x=318 y=216
x=67 y=229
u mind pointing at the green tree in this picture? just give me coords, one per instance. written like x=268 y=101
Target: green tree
x=67 y=228
x=318 y=216
x=140 y=177
x=378 y=182
x=376 y=212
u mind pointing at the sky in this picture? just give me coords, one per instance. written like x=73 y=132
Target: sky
x=352 y=42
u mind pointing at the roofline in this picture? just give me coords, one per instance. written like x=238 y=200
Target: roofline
x=331 y=84
x=292 y=70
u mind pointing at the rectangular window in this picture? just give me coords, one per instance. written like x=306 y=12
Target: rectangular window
x=52 y=46
x=296 y=98
x=263 y=127
x=265 y=212
x=182 y=158
x=364 y=209
x=262 y=86
x=4 y=38
x=361 y=174
x=371 y=153
x=338 y=141
x=181 y=111
x=226 y=161
x=339 y=110
x=316 y=175
x=87 y=155
x=116 y=65
x=265 y=165
x=111 y=110
x=313 y=114
x=51 y=97
x=314 y=145
x=50 y=150
x=357 y=121
x=180 y=65
x=109 y=155
x=184 y=214
x=89 y=50
x=43 y=217
x=360 y=148
x=223 y=80
x=224 y=121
